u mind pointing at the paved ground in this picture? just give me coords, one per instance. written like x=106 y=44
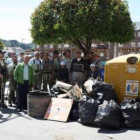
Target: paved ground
x=19 y=126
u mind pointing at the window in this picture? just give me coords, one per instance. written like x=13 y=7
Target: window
x=120 y=45
x=51 y=54
x=93 y=45
x=59 y=46
x=133 y=44
x=138 y=34
x=101 y=54
x=66 y=45
x=138 y=44
x=45 y=46
x=51 y=46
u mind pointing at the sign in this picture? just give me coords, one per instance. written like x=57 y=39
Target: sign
x=132 y=87
x=59 y=109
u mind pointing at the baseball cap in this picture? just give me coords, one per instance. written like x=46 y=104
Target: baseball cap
x=92 y=65
x=62 y=63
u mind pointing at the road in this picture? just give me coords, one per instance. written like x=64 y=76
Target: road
x=19 y=126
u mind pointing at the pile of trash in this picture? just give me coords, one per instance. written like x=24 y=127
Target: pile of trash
x=97 y=104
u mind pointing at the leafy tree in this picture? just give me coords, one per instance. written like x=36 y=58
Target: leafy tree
x=81 y=21
x=1 y=44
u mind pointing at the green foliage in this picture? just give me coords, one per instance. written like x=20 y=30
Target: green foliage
x=80 y=21
x=1 y=44
x=15 y=43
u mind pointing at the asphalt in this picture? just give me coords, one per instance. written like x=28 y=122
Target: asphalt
x=20 y=126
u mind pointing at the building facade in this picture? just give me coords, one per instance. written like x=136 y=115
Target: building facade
x=106 y=50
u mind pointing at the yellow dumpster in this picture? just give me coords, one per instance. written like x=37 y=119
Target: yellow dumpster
x=123 y=73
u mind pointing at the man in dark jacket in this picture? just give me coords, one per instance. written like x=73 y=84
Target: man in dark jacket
x=78 y=69
x=63 y=72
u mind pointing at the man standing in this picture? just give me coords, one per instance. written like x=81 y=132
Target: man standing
x=41 y=55
x=67 y=59
x=87 y=59
x=78 y=69
x=12 y=83
x=3 y=76
x=56 y=62
x=36 y=63
x=47 y=71
x=24 y=75
x=21 y=58
x=97 y=62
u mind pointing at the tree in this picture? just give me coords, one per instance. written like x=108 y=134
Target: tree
x=1 y=45
x=81 y=21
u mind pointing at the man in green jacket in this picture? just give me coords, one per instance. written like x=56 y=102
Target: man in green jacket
x=24 y=75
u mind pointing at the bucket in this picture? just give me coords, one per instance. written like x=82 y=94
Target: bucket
x=37 y=104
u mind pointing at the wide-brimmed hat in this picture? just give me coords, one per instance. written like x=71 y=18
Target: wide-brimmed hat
x=55 y=52
x=2 y=52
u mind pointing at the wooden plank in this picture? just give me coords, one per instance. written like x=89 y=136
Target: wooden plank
x=59 y=109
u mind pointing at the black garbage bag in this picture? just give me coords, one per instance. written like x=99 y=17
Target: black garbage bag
x=87 y=110
x=108 y=115
x=74 y=114
x=104 y=91
x=131 y=113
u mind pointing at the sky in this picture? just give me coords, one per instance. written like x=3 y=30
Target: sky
x=15 y=18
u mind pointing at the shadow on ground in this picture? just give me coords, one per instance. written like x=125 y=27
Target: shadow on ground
x=121 y=130
x=8 y=114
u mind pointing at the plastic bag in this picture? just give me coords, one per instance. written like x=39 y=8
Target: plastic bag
x=108 y=115
x=74 y=114
x=87 y=110
x=88 y=85
x=104 y=91
x=131 y=113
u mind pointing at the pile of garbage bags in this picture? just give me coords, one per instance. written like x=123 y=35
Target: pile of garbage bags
x=97 y=104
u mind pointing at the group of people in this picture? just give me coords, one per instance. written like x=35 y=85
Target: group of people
x=26 y=73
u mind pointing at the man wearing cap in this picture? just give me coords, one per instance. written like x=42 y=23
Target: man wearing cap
x=47 y=71
x=92 y=73
x=3 y=74
x=78 y=69
x=21 y=58
x=36 y=63
x=63 y=72
x=56 y=62
x=12 y=82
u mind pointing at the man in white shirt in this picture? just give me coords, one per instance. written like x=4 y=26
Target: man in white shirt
x=24 y=76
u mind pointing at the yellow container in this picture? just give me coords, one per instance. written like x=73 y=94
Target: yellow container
x=123 y=73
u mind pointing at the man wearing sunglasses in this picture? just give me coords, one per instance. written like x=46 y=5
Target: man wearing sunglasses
x=78 y=69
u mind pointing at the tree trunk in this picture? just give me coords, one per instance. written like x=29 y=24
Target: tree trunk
x=88 y=44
